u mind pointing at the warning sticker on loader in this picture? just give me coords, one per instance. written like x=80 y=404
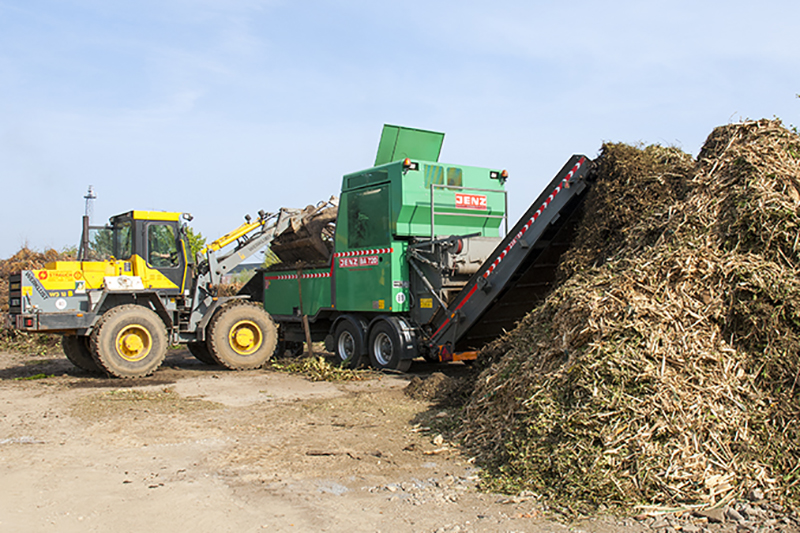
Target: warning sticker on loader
x=36 y=285
x=59 y=275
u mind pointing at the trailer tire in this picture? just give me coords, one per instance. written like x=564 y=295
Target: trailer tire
x=242 y=336
x=295 y=348
x=129 y=342
x=348 y=342
x=385 y=347
x=200 y=352
x=430 y=356
x=76 y=348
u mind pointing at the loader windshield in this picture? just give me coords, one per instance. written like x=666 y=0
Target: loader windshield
x=123 y=239
x=100 y=246
x=107 y=242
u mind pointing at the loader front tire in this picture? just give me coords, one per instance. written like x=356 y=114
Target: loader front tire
x=129 y=342
x=242 y=336
x=76 y=348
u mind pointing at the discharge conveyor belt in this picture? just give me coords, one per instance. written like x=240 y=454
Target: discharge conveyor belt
x=520 y=271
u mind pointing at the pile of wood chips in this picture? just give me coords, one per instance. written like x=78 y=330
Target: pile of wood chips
x=24 y=259
x=10 y=339
x=664 y=369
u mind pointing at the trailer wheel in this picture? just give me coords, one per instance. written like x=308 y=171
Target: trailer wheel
x=200 y=352
x=348 y=341
x=386 y=348
x=76 y=348
x=295 y=349
x=289 y=349
x=242 y=336
x=284 y=348
x=129 y=342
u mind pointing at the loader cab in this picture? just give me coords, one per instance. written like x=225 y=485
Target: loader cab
x=156 y=247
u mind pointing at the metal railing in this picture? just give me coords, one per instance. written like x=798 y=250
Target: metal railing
x=465 y=212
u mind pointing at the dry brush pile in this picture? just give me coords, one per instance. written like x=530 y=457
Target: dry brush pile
x=665 y=368
x=24 y=259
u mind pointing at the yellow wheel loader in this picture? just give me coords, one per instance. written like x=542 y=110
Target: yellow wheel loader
x=136 y=289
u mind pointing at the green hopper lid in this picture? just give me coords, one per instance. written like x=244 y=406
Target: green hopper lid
x=398 y=142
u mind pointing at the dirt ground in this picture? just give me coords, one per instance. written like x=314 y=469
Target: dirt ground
x=197 y=448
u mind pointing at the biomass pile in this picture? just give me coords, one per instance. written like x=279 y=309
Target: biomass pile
x=665 y=367
x=24 y=259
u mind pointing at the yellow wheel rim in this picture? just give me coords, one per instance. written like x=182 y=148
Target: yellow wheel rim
x=245 y=337
x=134 y=343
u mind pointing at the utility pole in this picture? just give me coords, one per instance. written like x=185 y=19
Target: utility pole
x=83 y=249
x=90 y=195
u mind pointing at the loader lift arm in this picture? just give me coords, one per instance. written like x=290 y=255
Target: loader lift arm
x=249 y=237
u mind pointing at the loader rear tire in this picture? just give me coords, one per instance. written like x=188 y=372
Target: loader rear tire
x=200 y=352
x=129 y=342
x=76 y=348
x=242 y=336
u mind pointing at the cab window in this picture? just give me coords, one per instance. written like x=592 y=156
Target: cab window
x=162 y=250
x=100 y=247
x=123 y=240
x=368 y=218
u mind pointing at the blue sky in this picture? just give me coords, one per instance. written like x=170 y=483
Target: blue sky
x=224 y=107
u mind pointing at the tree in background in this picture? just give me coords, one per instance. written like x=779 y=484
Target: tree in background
x=196 y=240
x=270 y=259
x=101 y=244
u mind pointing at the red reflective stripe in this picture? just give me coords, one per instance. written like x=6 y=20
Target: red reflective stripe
x=466 y=298
x=355 y=253
x=294 y=276
x=440 y=327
